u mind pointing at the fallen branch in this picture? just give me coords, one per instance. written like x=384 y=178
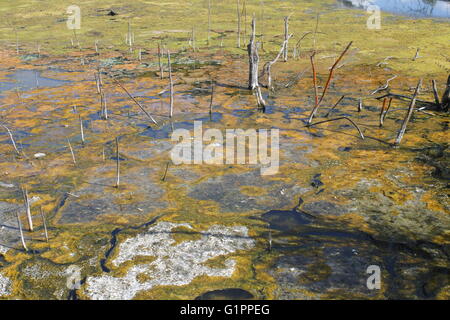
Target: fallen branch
x=135 y=101
x=12 y=138
x=385 y=86
x=334 y=106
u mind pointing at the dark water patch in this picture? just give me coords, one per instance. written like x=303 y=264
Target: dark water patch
x=226 y=294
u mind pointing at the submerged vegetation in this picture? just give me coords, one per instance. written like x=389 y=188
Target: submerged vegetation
x=89 y=198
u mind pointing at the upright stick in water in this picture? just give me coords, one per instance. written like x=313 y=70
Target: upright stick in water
x=27 y=208
x=238 y=25
x=71 y=152
x=171 y=84
x=253 y=58
x=286 y=38
x=21 y=231
x=81 y=129
x=45 y=224
x=161 y=69
x=408 y=114
x=118 y=164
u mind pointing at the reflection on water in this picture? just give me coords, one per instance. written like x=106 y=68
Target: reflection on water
x=413 y=8
x=28 y=80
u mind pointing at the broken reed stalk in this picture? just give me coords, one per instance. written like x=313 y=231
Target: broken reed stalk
x=360 y=105
x=170 y=84
x=332 y=70
x=387 y=109
x=118 y=164
x=334 y=106
x=81 y=129
x=71 y=152
x=135 y=101
x=238 y=25
x=209 y=21
x=27 y=209
x=340 y=118
x=161 y=69
x=408 y=114
x=435 y=92
x=140 y=54
x=383 y=109
x=316 y=95
x=244 y=13
x=212 y=97
x=96 y=46
x=253 y=57
x=104 y=107
x=11 y=138
x=163 y=178
x=44 y=224
x=330 y=75
x=268 y=65
x=21 y=231
x=286 y=38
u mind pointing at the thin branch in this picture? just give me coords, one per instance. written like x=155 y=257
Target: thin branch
x=335 y=119
x=135 y=101
x=408 y=114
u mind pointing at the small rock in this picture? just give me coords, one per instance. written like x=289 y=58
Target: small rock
x=39 y=155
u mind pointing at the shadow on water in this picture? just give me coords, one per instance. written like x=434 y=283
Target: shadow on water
x=322 y=256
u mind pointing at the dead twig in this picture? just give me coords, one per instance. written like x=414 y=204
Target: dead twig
x=334 y=106
x=408 y=114
x=385 y=86
x=340 y=118
x=11 y=138
x=44 y=224
x=135 y=101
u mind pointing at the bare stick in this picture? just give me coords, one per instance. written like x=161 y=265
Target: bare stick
x=118 y=164
x=71 y=152
x=21 y=232
x=171 y=84
x=259 y=98
x=212 y=97
x=383 y=109
x=268 y=66
x=209 y=20
x=360 y=105
x=238 y=25
x=335 y=119
x=435 y=92
x=135 y=101
x=253 y=57
x=45 y=224
x=416 y=55
x=334 y=106
x=408 y=114
x=387 y=109
x=161 y=69
x=328 y=82
x=12 y=138
x=165 y=171
x=332 y=70
x=27 y=208
x=316 y=95
x=104 y=107
x=96 y=46
x=385 y=86
x=244 y=13
x=286 y=38
x=81 y=128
